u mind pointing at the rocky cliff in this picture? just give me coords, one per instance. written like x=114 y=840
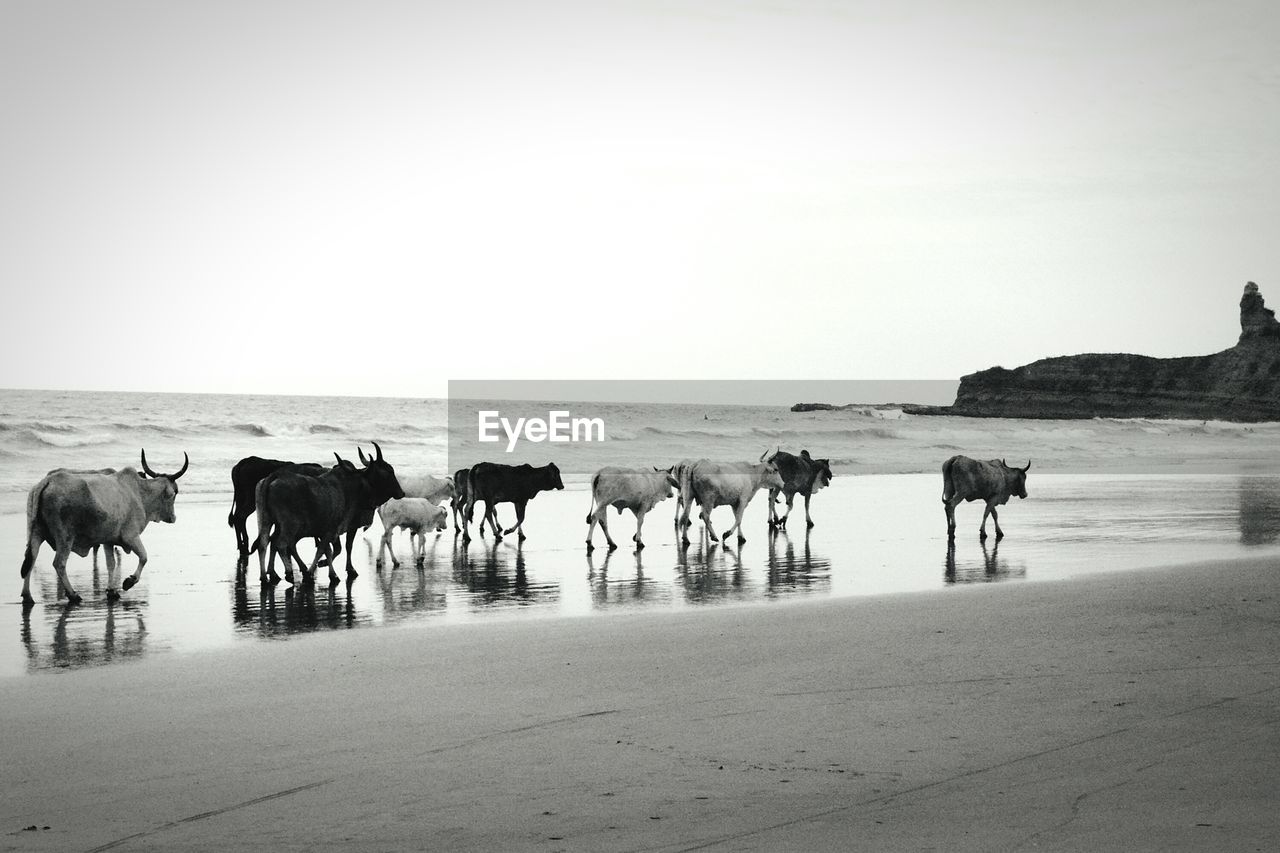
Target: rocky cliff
x=1239 y=384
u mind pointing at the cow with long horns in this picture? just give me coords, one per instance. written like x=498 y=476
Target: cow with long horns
x=75 y=511
x=965 y=479
x=294 y=506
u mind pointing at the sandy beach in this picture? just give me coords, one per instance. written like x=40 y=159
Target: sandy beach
x=1135 y=711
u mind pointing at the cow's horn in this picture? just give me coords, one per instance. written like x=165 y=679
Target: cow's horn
x=186 y=461
x=363 y=460
x=379 y=449
x=1028 y=468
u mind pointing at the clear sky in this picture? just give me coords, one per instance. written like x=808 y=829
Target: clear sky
x=375 y=197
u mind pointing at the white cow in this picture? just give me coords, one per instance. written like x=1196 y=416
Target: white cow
x=636 y=489
x=427 y=487
x=75 y=511
x=732 y=484
x=418 y=516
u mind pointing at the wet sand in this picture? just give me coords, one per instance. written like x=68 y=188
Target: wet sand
x=1133 y=711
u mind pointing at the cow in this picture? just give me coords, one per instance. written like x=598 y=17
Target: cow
x=636 y=489
x=801 y=475
x=461 y=477
x=418 y=516
x=495 y=483
x=683 y=494
x=965 y=479
x=731 y=484
x=116 y=550
x=294 y=506
x=245 y=476
x=459 y=502
x=427 y=487
x=73 y=512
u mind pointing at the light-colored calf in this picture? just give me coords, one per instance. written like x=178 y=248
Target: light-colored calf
x=418 y=516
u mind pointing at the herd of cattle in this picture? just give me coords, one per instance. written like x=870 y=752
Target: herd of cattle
x=77 y=511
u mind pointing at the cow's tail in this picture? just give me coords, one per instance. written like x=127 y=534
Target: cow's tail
x=263 y=516
x=33 y=524
x=948 y=487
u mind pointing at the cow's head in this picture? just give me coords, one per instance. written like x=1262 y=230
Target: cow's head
x=553 y=480
x=158 y=493
x=380 y=476
x=821 y=471
x=1017 y=478
x=673 y=479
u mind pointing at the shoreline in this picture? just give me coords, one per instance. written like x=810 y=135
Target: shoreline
x=1131 y=711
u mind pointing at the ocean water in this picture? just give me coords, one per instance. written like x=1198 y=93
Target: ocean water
x=1105 y=495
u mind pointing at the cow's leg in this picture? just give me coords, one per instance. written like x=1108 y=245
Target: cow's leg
x=28 y=564
x=279 y=551
x=706 y=521
x=518 y=528
x=334 y=550
x=242 y=533
x=593 y=517
x=996 y=518
x=982 y=529
x=60 y=566
x=383 y=545
x=113 y=591
x=135 y=545
x=263 y=547
x=808 y=520
x=639 y=525
x=791 y=498
x=351 y=538
x=738 y=510
x=491 y=515
x=603 y=514
x=466 y=519
x=288 y=555
x=949 y=507
x=682 y=527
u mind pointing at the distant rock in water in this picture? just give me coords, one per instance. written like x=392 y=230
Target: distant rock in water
x=819 y=407
x=1238 y=384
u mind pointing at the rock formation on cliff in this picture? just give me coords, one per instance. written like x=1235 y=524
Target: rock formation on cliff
x=1239 y=384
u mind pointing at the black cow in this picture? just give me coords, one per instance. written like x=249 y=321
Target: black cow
x=965 y=479
x=294 y=506
x=460 y=492
x=801 y=475
x=494 y=483
x=245 y=476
